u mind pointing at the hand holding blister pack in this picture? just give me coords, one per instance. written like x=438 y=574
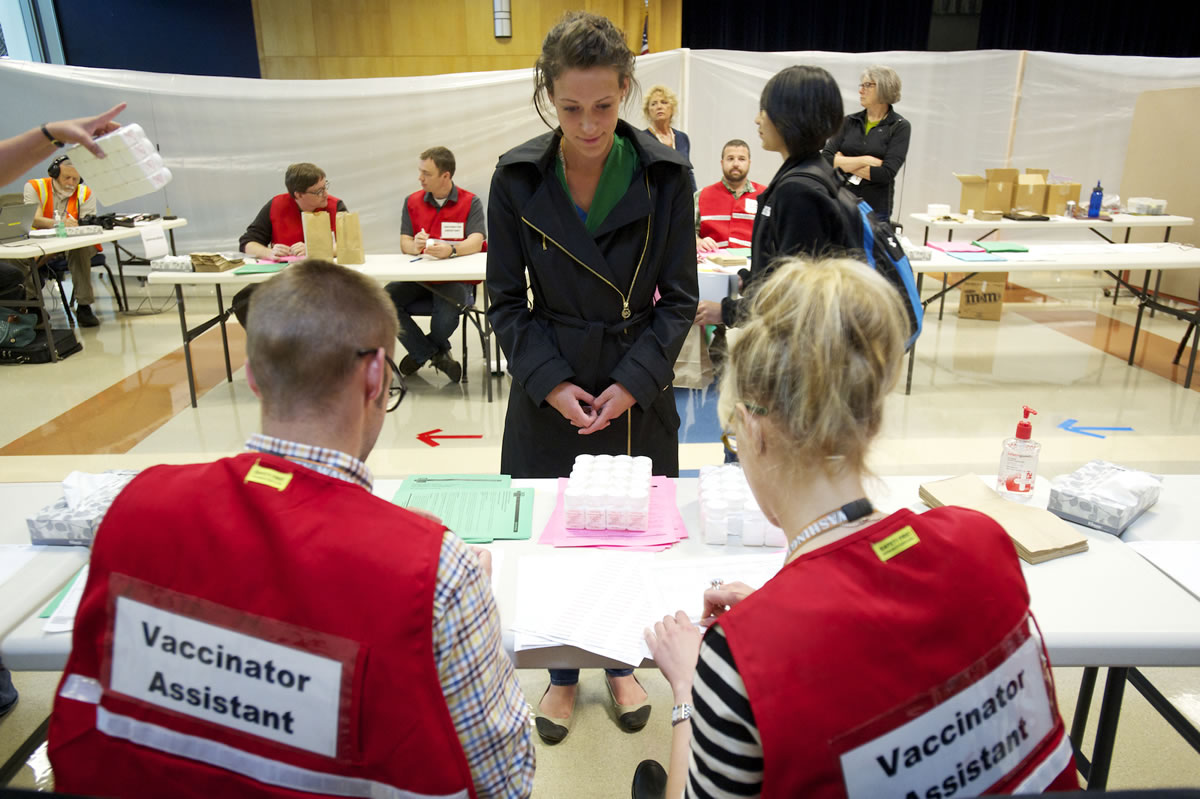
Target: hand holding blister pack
x=131 y=169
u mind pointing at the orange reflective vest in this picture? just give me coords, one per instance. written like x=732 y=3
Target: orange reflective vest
x=45 y=192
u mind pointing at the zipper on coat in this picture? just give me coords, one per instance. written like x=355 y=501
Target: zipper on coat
x=625 y=312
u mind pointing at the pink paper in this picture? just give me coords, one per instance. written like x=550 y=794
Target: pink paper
x=955 y=246
x=665 y=528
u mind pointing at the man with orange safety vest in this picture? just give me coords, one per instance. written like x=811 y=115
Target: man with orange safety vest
x=64 y=193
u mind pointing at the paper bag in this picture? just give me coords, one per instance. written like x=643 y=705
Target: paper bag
x=318 y=238
x=693 y=367
x=349 y=239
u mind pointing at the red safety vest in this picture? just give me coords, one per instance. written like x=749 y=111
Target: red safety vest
x=902 y=661
x=430 y=217
x=252 y=628
x=286 y=225
x=726 y=220
x=45 y=192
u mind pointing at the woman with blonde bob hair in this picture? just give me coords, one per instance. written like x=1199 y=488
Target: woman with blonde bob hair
x=890 y=653
x=660 y=107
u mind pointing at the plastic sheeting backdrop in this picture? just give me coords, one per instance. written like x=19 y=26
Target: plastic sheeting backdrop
x=228 y=140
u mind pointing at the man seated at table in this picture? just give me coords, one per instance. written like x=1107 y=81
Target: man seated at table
x=439 y=220
x=725 y=210
x=725 y=218
x=278 y=230
x=235 y=638
x=63 y=192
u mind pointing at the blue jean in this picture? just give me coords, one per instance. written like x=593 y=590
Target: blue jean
x=448 y=301
x=571 y=676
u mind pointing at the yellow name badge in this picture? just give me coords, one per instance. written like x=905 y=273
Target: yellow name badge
x=894 y=544
x=267 y=476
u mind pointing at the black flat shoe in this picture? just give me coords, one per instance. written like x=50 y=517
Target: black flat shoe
x=649 y=780
x=550 y=729
x=630 y=718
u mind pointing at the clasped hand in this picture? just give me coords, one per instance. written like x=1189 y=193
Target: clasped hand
x=590 y=414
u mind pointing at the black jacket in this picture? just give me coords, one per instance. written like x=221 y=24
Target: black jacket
x=593 y=319
x=887 y=141
x=795 y=216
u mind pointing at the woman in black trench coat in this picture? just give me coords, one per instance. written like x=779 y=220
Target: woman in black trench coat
x=592 y=357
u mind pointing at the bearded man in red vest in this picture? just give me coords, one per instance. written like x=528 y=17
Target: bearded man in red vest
x=440 y=220
x=62 y=192
x=725 y=214
x=265 y=625
x=278 y=230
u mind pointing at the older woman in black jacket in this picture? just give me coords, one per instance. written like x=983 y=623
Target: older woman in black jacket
x=872 y=144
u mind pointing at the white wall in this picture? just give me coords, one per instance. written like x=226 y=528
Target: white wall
x=228 y=140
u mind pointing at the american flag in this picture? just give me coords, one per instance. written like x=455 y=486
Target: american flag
x=646 y=30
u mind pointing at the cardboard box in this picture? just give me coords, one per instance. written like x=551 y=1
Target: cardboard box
x=1001 y=183
x=973 y=187
x=1030 y=194
x=1057 y=195
x=1045 y=173
x=982 y=297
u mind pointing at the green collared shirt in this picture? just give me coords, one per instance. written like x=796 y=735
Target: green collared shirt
x=619 y=169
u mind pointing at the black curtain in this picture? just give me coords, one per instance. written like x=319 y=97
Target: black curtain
x=210 y=37
x=769 y=25
x=1103 y=27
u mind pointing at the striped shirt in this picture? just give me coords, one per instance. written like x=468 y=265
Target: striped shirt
x=485 y=701
x=726 y=758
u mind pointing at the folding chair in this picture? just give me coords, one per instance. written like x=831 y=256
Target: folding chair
x=469 y=313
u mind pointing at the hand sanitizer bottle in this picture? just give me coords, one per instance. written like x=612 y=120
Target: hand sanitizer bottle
x=1019 y=461
x=60 y=225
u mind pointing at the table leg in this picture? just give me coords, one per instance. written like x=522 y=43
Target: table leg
x=487 y=327
x=1137 y=329
x=121 y=273
x=1187 y=381
x=1106 y=728
x=187 y=344
x=925 y=242
x=224 y=335
x=1083 y=705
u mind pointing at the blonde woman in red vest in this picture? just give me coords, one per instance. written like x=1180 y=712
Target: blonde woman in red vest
x=63 y=193
x=892 y=655
x=599 y=216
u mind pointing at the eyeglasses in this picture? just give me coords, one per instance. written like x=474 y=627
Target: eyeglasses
x=397 y=389
x=321 y=192
x=729 y=439
x=866 y=85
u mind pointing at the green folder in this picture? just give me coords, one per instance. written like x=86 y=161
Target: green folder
x=259 y=269
x=476 y=515
x=1001 y=246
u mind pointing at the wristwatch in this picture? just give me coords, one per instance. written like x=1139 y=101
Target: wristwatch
x=680 y=713
x=453 y=251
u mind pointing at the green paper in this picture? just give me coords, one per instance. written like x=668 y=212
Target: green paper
x=1001 y=246
x=476 y=515
x=259 y=269
x=53 y=604
x=974 y=256
x=742 y=251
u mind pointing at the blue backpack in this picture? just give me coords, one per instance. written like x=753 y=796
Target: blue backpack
x=878 y=241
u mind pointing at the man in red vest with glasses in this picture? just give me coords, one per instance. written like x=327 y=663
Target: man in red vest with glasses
x=278 y=230
x=62 y=193
x=440 y=220
x=266 y=625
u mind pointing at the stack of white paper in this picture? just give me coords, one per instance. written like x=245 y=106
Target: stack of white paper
x=609 y=599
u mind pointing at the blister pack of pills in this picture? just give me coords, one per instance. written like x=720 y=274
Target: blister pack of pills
x=132 y=166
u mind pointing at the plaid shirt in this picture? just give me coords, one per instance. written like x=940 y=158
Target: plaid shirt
x=482 y=694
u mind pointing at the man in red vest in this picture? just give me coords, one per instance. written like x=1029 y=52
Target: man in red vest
x=63 y=193
x=440 y=220
x=265 y=625
x=278 y=230
x=725 y=213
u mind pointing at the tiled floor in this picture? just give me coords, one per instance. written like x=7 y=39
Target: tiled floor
x=1060 y=347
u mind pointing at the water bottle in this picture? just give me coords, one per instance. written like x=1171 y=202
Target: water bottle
x=1096 y=201
x=60 y=226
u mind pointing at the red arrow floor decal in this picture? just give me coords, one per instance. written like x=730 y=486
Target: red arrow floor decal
x=429 y=437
